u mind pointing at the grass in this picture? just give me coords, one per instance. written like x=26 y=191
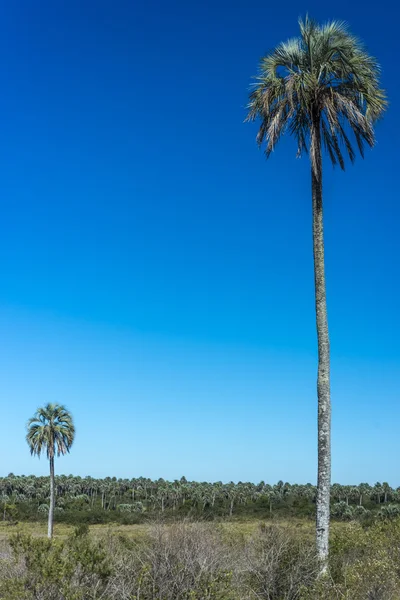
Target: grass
x=62 y=530
x=235 y=529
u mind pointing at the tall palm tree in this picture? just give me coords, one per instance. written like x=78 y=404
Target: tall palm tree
x=50 y=430
x=322 y=87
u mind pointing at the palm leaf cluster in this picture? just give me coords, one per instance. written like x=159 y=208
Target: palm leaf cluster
x=50 y=430
x=324 y=78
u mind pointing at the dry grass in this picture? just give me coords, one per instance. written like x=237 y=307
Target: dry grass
x=61 y=530
x=235 y=530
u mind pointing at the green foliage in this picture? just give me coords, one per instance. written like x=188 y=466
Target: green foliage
x=322 y=79
x=81 y=530
x=10 y=512
x=346 y=512
x=54 y=570
x=130 y=501
x=208 y=587
x=363 y=564
x=389 y=512
x=50 y=430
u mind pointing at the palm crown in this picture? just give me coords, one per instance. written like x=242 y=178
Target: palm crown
x=326 y=79
x=50 y=430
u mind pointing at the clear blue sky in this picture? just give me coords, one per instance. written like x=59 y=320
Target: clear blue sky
x=156 y=271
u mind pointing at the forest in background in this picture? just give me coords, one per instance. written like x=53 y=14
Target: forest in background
x=90 y=500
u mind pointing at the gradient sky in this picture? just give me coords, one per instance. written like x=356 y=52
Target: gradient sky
x=156 y=271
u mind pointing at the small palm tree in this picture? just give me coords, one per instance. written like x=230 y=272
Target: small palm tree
x=50 y=430
x=323 y=88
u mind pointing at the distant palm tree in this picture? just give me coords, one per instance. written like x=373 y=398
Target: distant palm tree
x=320 y=87
x=363 y=489
x=378 y=491
x=387 y=490
x=50 y=430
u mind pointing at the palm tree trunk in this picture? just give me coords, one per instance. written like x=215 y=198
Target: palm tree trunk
x=51 y=507
x=323 y=381
x=231 y=507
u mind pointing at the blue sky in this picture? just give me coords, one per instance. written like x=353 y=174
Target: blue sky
x=156 y=271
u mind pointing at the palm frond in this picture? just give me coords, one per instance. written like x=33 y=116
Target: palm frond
x=50 y=430
x=325 y=77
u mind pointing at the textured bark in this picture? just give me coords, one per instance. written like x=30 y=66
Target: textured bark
x=52 y=500
x=323 y=381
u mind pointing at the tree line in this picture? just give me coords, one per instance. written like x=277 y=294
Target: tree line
x=111 y=498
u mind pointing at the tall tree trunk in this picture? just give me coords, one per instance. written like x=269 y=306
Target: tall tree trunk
x=231 y=507
x=323 y=381
x=52 y=500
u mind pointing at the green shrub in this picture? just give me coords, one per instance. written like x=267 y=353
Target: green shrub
x=52 y=569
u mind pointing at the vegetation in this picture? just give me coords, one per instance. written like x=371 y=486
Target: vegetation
x=50 y=430
x=321 y=87
x=201 y=561
x=90 y=500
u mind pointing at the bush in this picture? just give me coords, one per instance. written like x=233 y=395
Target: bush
x=363 y=564
x=389 y=512
x=278 y=564
x=203 y=561
x=177 y=562
x=342 y=511
x=51 y=570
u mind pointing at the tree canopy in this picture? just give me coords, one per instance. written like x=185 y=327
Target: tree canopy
x=50 y=430
x=325 y=73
